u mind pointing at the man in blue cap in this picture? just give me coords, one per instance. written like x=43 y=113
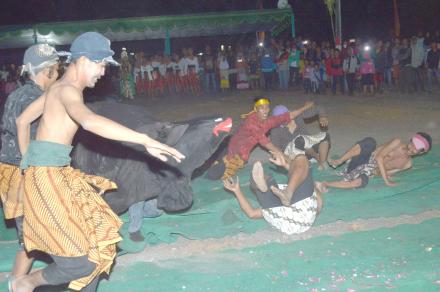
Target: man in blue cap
x=66 y=217
x=40 y=62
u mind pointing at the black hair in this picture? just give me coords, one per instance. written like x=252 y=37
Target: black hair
x=427 y=137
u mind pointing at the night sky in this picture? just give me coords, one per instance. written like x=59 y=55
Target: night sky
x=365 y=18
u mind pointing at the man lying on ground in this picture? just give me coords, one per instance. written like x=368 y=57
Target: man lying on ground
x=367 y=160
x=293 y=137
x=251 y=133
x=291 y=210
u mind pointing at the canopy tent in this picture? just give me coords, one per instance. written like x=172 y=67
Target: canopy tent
x=155 y=27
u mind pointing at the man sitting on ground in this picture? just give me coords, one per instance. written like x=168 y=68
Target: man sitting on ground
x=291 y=210
x=367 y=160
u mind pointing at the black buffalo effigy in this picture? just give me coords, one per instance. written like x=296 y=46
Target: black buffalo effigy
x=138 y=175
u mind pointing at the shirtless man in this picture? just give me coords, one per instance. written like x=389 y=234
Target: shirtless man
x=65 y=216
x=367 y=160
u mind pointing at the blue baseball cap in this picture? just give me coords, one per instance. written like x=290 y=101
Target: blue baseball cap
x=94 y=46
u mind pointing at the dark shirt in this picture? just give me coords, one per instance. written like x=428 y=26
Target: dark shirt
x=281 y=136
x=15 y=104
x=432 y=60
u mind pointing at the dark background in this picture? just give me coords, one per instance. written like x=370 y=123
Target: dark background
x=360 y=18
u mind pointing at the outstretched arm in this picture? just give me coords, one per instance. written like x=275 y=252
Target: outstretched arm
x=99 y=125
x=272 y=148
x=306 y=106
x=234 y=187
x=24 y=121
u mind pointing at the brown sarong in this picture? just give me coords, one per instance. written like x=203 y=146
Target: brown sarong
x=66 y=216
x=11 y=196
x=232 y=165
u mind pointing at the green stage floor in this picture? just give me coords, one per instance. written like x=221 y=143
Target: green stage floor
x=403 y=256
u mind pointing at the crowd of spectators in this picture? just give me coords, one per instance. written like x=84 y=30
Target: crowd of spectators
x=405 y=65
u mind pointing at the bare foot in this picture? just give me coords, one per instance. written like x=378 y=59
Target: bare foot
x=334 y=163
x=282 y=195
x=20 y=284
x=258 y=176
x=321 y=187
x=322 y=166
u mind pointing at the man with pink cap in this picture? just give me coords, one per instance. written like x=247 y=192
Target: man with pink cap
x=366 y=160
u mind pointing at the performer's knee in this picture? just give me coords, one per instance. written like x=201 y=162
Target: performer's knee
x=66 y=269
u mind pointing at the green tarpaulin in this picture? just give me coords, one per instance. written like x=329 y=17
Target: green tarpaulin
x=140 y=28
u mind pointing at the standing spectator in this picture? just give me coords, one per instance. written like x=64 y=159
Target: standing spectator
x=209 y=65
x=223 y=66
x=283 y=69
x=350 y=67
x=417 y=57
x=395 y=62
x=268 y=68
x=307 y=82
x=367 y=73
x=336 y=68
x=432 y=64
x=294 y=65
x=379 y=66
x=254 y=74
x=405 y=67
x=388 y=65
x=242 y=72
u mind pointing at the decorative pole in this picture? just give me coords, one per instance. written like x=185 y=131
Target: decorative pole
x=338 y=40
x=396 y=20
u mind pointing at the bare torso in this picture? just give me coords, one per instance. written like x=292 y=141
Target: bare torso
x=56 y=124
x=397 y=159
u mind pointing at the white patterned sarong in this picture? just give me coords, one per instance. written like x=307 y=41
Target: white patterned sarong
x=297 y=218
x=310 y=140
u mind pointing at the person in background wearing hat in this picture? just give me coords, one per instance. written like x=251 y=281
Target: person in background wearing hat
x=293 y=137
x=65 y=215
x=251 y=133
x=40 y=62
x=366 y=160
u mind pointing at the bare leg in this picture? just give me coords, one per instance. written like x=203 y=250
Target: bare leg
x=352 y=152
x=258 y=176
x=323 y=186
x=323 y=154
x=298 y=171
x=22 y=264
x=319 y=200
x=28 y=283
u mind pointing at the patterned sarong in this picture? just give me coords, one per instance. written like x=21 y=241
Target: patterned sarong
x=232 y=165
x=66 y=216
x=10 y=178
x=369 y=169
x=297 y=218
x=310 y=140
